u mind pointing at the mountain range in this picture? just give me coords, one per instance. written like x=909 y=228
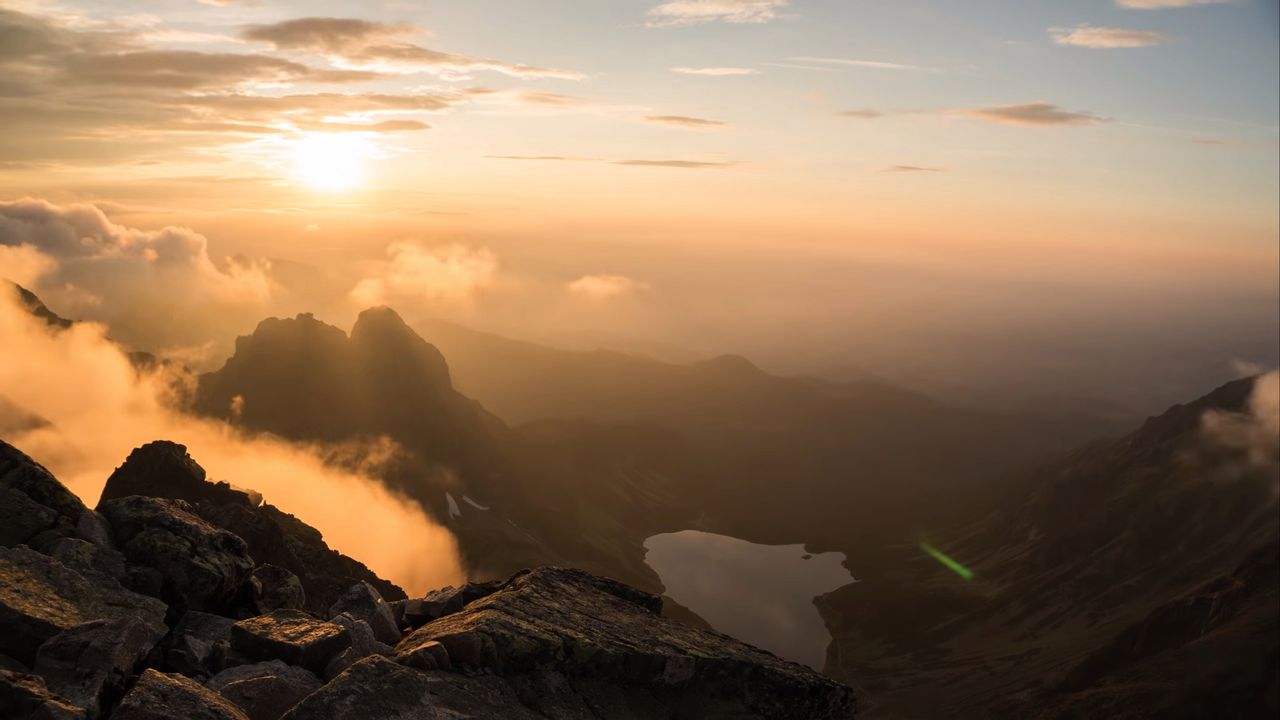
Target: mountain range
x=1088 y=573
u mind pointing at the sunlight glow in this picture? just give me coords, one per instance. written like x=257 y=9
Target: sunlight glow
x=331 y=161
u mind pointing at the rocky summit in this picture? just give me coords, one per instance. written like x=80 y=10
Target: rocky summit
x=182 y=598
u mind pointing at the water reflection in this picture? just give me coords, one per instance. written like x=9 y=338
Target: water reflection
x=760 y=594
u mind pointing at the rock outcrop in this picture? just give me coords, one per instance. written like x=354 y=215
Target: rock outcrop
x=163 y=696
x=610 y=641
x=40 y=598
x=25 y=696
x=176 y=556
x=188 y=619
x=292 y=636
x=163 y=469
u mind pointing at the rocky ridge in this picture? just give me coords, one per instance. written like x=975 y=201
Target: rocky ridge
x=179 y=597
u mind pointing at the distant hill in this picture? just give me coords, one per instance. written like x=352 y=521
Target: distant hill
x=1132 y=578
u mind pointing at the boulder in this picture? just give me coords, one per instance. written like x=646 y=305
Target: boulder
x=198 y=643
x=164 y=469
x=264 y=691
x=175 y=555
x=161 y=696
x=22 y=518
x=292 y=636
x=428 y=655
x=35 y=509
x=21 y=473
x=445 y=601
x=25 y=697
x=363 y=644
x=611 y=637
x=278 y=538
x=82 y=555
x=275 y=588
x=90 y=663
x=362 y=637
x=363 y=602
x=40 y=597
x=373 y=689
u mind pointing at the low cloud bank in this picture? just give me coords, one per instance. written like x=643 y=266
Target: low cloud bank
x=97 y=408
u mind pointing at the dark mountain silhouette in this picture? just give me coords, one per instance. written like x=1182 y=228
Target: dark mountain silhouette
x=514 y=499
x=1132 y=578
x=638 y=446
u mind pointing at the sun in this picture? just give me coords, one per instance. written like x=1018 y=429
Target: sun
x=331 y=161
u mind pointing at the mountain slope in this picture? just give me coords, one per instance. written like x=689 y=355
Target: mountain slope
x=1133 y=578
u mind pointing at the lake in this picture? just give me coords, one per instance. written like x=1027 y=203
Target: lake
x=760 y=594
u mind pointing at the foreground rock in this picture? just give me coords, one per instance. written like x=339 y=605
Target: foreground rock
x=363 y=602
x=292 y=636
x=160 y=696
x=548 y=643
x=164 y=469
x=25 y=696
x=40 y=597
x=176 y=556
x=373 y=689
x=264 y=691
x=198 y=644
x=90 y=663
x=619 y=652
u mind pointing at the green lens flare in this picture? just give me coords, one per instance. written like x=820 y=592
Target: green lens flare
x=947 y=562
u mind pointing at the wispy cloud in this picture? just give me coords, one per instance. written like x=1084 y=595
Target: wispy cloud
x=659 y=163
x=563 y=158
x=870 y=64
x=364 y=44
x=716 y=71
x=605 y=287
x=1160 y=4
x=1094 y=36
x=684 y=164
x=695 y=12
x=909 y=169
x=683 y=121
x=416 y=272
x=865 y=114
x=1034 y=113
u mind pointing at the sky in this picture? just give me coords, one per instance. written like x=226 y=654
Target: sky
x=1049 y=197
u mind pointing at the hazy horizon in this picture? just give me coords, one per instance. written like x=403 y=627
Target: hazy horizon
x=1003 y=207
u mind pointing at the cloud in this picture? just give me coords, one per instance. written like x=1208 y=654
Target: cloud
x=77 y=95
x=1034 y=113
x=909 y=169
x=326 y=33
x=1255 y=431
x=191 y=70
x=604 y=287
x=1094 y=36
x=862 y=114
x=565 y=158
x=695 y=12
x=98 y=407
x=417 y=273
x=1161 y=4
x=24 y=264
x=686 y=164
x=683 y=121
x=379 y=46
x=715 y=71
x=871 y=64
x=154 y=288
